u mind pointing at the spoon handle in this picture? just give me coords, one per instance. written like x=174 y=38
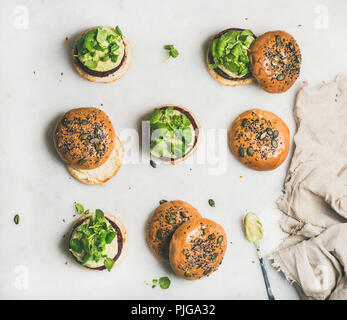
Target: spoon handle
x=266 y=279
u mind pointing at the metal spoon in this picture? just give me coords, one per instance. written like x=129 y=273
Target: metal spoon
x=254 y=233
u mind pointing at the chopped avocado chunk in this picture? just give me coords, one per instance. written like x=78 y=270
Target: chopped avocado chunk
x=172 y=133
x=101 y=49
x=230 y=52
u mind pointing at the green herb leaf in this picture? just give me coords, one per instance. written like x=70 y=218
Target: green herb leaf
x=79 y=208
x=101 y=35
x=154 y=283
x=172 y=51
x=109 y=263
x=76 y=245
x=99 y=214
x=118 y=30
x=92 y=64
x=110 y=236
x=164 y=282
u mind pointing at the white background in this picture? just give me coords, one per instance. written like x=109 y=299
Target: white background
x=35 y=184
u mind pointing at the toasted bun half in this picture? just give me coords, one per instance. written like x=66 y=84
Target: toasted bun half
x=197 y=129
x=84 y=138
x=275 y=61
x=251 y=139
x=163 y=223
x=123 y=231
x=105 y=172
x=197 y=248
x=227 y=81
x=111 y=77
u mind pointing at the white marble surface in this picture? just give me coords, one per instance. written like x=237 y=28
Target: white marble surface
x=35 y=184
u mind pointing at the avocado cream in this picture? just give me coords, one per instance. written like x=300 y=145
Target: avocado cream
x=252 y=228
x=172 y=133
x=230 y=52
x=100 y=49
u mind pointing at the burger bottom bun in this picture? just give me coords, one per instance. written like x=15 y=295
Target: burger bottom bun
x=224 y=81
x=124 y=235
x=103 y=173
x=112 y=77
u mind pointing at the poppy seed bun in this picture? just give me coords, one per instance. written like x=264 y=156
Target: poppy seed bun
x=163 y=223
x=275 y=61
x=245 y=80
x=122 y=229
x=105 y=172
x=197 y=248
x=84 y=138
x=259 y=139
x=125 y=64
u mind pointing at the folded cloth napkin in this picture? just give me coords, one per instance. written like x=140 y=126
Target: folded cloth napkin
x=314 y=199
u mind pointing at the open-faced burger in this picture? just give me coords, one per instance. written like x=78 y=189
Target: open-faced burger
x=275 y=61
x=86 y=141
x=174 y=133
x=102 y=54
x=98 y=241
x=227 y=57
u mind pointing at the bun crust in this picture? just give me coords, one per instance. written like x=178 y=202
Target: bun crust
x=164 y=222
x=197 y=248
x=121 y=228
x=224 y=81
x=251 y=139
x=105 y=172
x=275 y=61
x=109 y=78
x=84 y=138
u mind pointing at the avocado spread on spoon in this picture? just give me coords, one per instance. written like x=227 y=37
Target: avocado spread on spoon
x=101 y=49
x=229 y=52
x=252 y=228
x=172 y=133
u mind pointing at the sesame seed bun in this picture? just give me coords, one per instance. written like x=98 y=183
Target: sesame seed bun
x=253 y=146
x=275 y=61
x=163 y=223
x=123 y=68
x=113 y=220
x=197 y=248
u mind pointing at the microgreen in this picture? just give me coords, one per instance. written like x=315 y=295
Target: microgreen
x=91 y=237
x=163 y=282
x=172 y=51
x=118 y=30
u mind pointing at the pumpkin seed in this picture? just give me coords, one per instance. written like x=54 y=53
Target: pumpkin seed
x=95 y=140
x=98 y=131
x=162 y=201
x=211 y=203
x=204 y=231
x=195 y=248
x=220 y=239
x=207 y=271
x=171 y=220
x=183 y=215
x=274 y=143
x=291 y=46
x=153 y=164
x=278 y=40
x=187 y=274
x=250 y=151
x=16 y=219
x=244 y=122
x=275 y=134
x=99 y=147
x=82 y=161
x=212 y=236
x=263 y=135
x=242 y=152
x=84 y=136
x=160 y=234
x=84 y=122
x=280 y=77
x=269 y=131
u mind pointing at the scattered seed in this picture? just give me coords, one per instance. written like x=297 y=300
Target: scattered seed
x=195 y=248
x=269 y=131
x=171 y=221
x=242 y=152
x=207 y=271
x=275 y=134
x=280 y=77
x=250 y=151
x=153 y=164
x=16 y=219
x=274 y=143
x=187 y=274
x=183 y=215
x=162 y=201
x=95 y=141
x=212 y=236
x=263 y=135
x=82 y=161
x=84 y=136
x=214 y=256
x=159 y=234
x=211 y=202
x=220 y=239
x=84 y=121
x=244 y=122
x=278 y=40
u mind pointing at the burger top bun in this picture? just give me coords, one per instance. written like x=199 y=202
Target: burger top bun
x=84 y=138
x=275 y=61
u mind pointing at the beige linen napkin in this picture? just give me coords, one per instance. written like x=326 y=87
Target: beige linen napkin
x=314 y=201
